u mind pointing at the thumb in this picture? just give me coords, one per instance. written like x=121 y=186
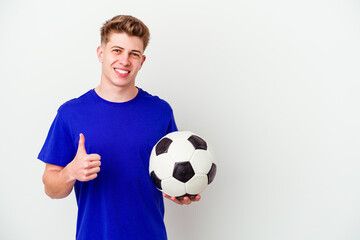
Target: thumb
x=81 y=146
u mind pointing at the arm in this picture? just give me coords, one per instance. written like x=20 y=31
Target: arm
x=59 y=181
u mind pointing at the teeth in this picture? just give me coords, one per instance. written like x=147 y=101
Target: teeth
x=121 y=71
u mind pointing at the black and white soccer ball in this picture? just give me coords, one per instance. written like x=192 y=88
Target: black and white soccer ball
x=182 y=164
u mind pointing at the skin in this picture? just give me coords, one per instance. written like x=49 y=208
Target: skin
x=121 y=52
x=186 y=200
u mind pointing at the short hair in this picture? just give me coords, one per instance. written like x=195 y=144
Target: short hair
x=125 y=24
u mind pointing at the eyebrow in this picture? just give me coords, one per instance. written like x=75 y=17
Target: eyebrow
x=124 y=49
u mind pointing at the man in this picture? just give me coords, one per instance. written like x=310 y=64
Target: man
x=100 y=143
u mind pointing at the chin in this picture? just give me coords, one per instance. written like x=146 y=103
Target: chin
x=124 y=84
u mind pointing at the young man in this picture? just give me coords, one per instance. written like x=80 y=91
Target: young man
x=100 y=144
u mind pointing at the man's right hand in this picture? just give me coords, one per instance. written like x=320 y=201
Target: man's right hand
x=84 y=167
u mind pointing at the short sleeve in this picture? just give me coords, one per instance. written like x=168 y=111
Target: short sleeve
x=172 y=125
x=58 y=148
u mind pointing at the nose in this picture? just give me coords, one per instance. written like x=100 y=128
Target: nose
x=124 y=59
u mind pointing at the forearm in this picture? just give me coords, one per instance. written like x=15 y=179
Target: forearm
x=58 y=183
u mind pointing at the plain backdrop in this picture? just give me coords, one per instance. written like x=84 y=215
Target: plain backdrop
x=274 y=86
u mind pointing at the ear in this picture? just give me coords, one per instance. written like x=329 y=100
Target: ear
x=100 y=52
x=143 y=59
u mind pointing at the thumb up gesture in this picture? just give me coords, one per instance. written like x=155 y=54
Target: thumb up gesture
x=84 y=167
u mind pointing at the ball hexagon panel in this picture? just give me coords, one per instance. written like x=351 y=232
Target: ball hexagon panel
x=163 y=165
x=212 y=154
x=173 y=187
x=181 y=150
x=196 y=184
x=183 y=171
x=201 y=161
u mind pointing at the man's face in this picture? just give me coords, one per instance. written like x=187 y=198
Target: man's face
x=121 y=58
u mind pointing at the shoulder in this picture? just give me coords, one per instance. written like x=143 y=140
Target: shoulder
x=75 y=105
x=154 y=100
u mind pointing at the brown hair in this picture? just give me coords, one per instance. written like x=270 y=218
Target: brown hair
x=125 y=24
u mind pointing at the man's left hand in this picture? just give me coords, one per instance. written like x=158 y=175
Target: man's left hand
x=186 y=199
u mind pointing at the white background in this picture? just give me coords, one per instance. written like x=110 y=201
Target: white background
x=272 y=85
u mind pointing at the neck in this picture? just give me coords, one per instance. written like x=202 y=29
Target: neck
x=121 y=94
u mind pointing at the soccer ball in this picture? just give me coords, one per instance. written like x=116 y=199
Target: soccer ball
x=182 y=164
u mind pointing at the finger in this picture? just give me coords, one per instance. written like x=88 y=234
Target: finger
x=92 y=164
x=93 y=157
x=174 y=199
x=81 y=146
x=197 y=198
x=91 y=177
x=92 y=171
x=167 y=196
x=187 y=200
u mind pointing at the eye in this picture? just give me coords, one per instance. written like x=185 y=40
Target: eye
x=116 y=50
x=135 y=54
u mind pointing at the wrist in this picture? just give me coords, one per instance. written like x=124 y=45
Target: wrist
x=68 y=174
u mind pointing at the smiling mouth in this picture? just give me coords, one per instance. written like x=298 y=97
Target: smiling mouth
x=122 y=71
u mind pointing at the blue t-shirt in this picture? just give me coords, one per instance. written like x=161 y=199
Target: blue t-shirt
x=122 y=202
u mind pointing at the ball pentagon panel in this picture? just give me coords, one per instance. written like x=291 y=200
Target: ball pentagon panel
x=183 y=171
x=198 y=142
x=156 y=180
x=162 y=146
x=212 y=173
